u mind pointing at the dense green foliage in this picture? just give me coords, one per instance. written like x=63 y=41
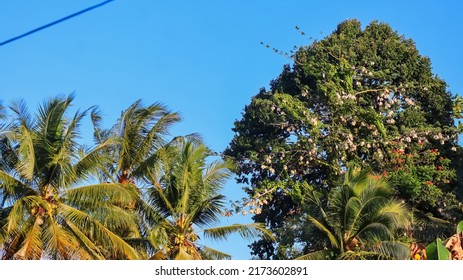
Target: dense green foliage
x=363 y=96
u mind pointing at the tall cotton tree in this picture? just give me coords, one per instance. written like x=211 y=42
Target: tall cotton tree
x=363 y=95
x=186 y=192
x=45 y=212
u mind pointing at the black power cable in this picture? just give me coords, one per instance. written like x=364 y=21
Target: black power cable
x=55 y=22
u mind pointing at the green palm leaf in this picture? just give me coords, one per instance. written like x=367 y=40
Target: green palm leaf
x=247 y=231
x=92 y=226
x=392 y=250
x=31 y=247
x=208 y=253
x=87 y=249
x=99 y=194
x=317 y=255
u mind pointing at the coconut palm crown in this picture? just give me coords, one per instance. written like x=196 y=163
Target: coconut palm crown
x=45 y=212
x=186 y=193
x=359 y=220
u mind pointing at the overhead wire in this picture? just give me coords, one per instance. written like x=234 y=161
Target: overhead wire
x=55 y=22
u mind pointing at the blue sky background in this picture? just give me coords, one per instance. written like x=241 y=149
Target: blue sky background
x=200 y=58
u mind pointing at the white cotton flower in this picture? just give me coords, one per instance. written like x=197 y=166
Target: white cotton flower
x=409 y=101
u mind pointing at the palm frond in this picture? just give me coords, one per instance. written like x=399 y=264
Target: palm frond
x=23 y=117
x=358 y=255
x=86 y=246
x=397 y=212
x=247 y=231
x=107 y=238
x=26 y=151
x=159 y=255
x=333 y=240
x=208 y=253
x=392 y=250
x=183 y=254
x=216 y=174
x=20 y=211
x=158 y=197
x=92 y=161
x=118 y=220
x=375 y=231
x=207 y=212
x=317 y=255
x=159 y=236
x=154 y=136
x=99 y=194
x=60 y=243
x=12 y=187
x=148 y=213
x=31 y=248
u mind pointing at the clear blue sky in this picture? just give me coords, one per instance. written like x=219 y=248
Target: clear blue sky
x=200 y=58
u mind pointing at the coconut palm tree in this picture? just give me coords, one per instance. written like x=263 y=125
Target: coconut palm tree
x=45 y=212
x=186 y=192
x=360 y=219
x=140 y=132
x=139 y=136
